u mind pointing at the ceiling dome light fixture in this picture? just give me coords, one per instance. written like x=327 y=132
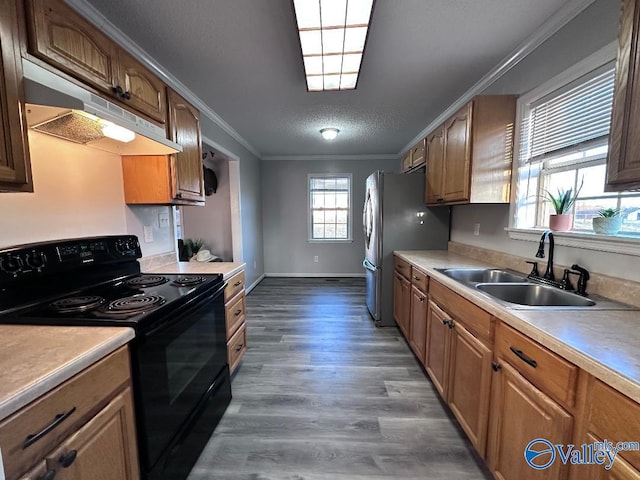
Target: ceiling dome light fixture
x=329 y=133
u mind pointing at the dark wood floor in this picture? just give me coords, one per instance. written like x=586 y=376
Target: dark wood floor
x=323 y=394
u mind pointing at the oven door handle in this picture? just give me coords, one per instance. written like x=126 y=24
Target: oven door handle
x=190 y=306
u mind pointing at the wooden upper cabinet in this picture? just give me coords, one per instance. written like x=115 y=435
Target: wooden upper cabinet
x=435 y=167
x=63 y=38
x=141 y=89
x=15 y=169
x=457 y=156
x=184 y=128
x=469 y=156
x=414 y=158
x=406 y=162
x=623 y=171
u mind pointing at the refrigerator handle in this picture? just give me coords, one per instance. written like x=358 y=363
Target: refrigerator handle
x=367 y=264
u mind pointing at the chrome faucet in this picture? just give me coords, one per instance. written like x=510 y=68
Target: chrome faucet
x=548 y=274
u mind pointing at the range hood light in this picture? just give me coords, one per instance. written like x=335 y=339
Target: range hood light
x=116 y=132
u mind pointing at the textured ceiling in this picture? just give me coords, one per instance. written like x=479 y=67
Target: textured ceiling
x=242 y=58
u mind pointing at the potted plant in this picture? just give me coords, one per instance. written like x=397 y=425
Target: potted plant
x=193 y=245
x=562 y=220
x=608 y=221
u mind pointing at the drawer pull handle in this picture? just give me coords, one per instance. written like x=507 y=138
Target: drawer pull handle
x=68 y=458
x=238 y=312
x=239 y=282
x=416 y=278
x=50 y=475
x=59 y=418
x=239 y=347
x=523 y=357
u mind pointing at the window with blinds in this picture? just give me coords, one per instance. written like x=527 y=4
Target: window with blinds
x=330 y=207
x=564 y=144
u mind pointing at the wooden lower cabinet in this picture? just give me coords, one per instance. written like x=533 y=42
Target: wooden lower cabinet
x=418 y=324
x=520 y=413
x=470 y=384
x=235 y=312
x=402 y=302
x=437 y=347
x=104 y=449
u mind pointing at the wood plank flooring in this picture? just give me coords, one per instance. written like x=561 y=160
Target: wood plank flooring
x=323 y=394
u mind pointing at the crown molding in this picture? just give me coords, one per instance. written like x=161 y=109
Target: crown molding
x=564 y=15
x=104 y=24
x=284 y=158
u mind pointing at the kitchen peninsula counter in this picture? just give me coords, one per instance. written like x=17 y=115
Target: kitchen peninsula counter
x=227 y=269
x=605 y=343
x=36 y=359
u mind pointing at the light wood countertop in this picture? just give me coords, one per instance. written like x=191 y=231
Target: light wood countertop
x=604 y=343
x=228 y=269
x=36 y=359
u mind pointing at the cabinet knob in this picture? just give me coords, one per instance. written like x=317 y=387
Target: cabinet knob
x=50 y=475
x=450 y=324
x=238 y=312
x=68 y=458
x=239 y=347
x=117 y=90
x=237 y=283
x=495 y=366
x=126 y=95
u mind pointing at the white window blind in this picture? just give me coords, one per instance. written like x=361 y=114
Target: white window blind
x=573 y=117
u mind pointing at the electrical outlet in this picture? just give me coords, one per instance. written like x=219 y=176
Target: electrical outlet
x=476 y=229
x=148 y=233
x=315 y=259
x=163 y=220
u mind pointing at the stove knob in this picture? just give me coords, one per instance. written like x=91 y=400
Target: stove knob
x=11 y=264
x=36 y=260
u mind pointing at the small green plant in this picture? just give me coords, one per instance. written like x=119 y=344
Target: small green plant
x=193 y=246
x=564 y=200
x=610 y=213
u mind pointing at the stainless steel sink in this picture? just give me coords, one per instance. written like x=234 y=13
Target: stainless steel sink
x=482 y=275
x=534 y=295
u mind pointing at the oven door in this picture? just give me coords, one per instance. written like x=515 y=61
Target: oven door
x=174 y=365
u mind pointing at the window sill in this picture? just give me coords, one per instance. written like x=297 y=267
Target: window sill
x=624 y=244
x=330 y=240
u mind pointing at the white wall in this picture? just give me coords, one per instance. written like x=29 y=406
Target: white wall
x=284 y=205
x=212 y=222
x=587 y=33
x=78 y=192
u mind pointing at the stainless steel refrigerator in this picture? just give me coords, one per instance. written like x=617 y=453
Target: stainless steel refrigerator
x=395 y=218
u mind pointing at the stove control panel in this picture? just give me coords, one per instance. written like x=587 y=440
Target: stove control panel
x=33 y=260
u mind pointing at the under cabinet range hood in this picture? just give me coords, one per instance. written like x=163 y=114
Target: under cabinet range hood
x=59 y=107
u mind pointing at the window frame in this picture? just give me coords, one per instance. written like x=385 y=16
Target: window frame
x=310 y=238
x=622 y=243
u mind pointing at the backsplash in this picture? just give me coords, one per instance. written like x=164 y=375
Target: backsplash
x=621 y=290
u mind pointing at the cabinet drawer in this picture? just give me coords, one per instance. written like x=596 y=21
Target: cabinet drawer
x=402 y=267
x=60 y=412
x=236 y=347
x=476 y=320
x=419 y=279
x=234 y=285
x=234 y=314
x=546 y=370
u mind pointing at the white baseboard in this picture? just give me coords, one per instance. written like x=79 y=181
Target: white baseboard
x=316 y=275
x=254 y=284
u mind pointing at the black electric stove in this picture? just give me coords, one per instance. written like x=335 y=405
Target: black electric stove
x=179 y=356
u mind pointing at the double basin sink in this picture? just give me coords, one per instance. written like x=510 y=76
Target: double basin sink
x=515 y=290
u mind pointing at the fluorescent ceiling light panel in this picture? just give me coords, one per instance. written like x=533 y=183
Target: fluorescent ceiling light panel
x=333 y=34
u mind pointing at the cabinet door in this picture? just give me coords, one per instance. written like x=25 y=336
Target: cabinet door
x=104 y=449
x=418 y=327
x=141 y=89
x=623 y=170
x=402 y=303
x=470 y=385
x=417 y=154
x=435 y=167
x=406 y=162
x=620 y=470
x=15 y=171
x=61 y=37
x=457 y=156
x=438 y=340
x=184 y=125
x=521 y=413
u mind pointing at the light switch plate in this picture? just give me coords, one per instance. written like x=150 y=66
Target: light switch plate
x=148 y=233
x=163 y=220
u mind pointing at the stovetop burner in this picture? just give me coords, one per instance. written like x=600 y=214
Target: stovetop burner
x=145 y=281
x=188 y=281
x=76 y=304
x=133 y=305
